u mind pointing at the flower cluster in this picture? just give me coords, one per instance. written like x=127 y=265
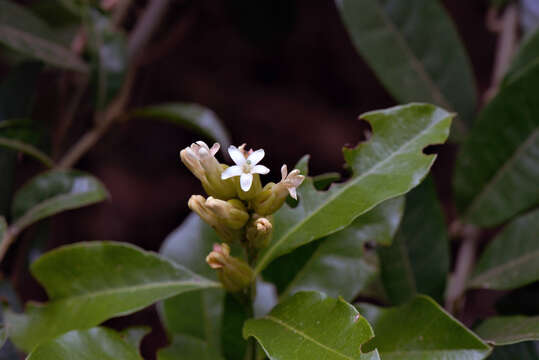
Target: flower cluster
x=238 y=208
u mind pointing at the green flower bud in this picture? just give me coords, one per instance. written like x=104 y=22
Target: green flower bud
x=201 y=161
x=198 y=204
x=235 y=274
x=273 y=196
x=232 y=212
x=253 y=191
x=259 y=231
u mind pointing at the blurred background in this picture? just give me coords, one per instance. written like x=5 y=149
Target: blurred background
x=282 y=75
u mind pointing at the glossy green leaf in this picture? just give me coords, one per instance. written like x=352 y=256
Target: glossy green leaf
x=521 y=351
x=421 y=329
x=96 y=343
x=506 y=330
x=55 y=191
x=108 y=48
x=89 y=283
x=418 y=259
x=188 y=246
x=28 y=150
x=339 y=266
x=191 y=116
x=413 y=48
x=26 y=33
x=496 y=173
x=391 y=163
x=184 y=347
x=511 y=260
x=526 y=57
x=310 y=325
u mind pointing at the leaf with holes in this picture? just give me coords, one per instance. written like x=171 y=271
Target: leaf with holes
x=390 y=164
x=310 y=325
x=415 y=51
x=511 y=260
x=88 y=283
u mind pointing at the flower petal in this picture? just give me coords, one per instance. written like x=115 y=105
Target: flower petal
x=293 y=193
x=245 y=181
x=284 y=172
x=256 y=156
x=231 y=172
x=260 y=169
x=236 y=155
x=215 y=148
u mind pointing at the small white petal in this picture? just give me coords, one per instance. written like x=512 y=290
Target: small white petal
x=260 y=169
x=202 y=144
x=293 y=193
x=245 y=181
x=215 y=148
x=236 y=155
x=256 y=156
x=231 y=172
x=284 y=172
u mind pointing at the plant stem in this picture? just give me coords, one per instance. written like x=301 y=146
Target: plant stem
x=465 y=261
x=9 y=237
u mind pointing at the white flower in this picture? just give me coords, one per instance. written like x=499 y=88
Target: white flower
x=246 y=166
x=291 y=181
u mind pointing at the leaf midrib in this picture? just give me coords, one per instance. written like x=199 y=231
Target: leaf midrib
x=305 y=336
x=351 y=182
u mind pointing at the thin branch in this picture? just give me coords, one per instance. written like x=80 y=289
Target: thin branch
x=146 y=26
x=465 y=262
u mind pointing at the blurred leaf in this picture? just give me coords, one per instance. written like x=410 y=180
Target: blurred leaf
x=511 y=260
x=521 y=351
x=323 y=181
x=415 y=51
x=95 y=343
x=135 y=334
x=188 y=246
x=418 y=259
x=26 y=33
x=526 y=57
x=506 y=330
x=235 y=315
x=496 y=173
x=421 y=329
x=88 y=283
x=310 y=325
x=391 y=163
x=184 y=347
x=338 y=266
x=55 y=191
x=27 y=149
x=109 y=50
x=192 y=116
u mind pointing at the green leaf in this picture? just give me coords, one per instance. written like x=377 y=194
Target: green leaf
x=55 y=191
x=27 y=149
x=339 y=266
x=184 y=347
x=26 y=33
x=421 y=329
x=418 y=259
x=96 y=343
x=310 y=325
x=415 y=51
x=188 y=246
x=135 y=334
x=192 y=116
x=521 y=351
x=391 y=163
x=511 y=260
x=526 y=57
x=89 y=283
x=234 y=316
x=496 y=173
x=506 y=330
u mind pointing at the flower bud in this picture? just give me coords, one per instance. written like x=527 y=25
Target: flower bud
x=234 y=273
x=273 y=196
x=198 y=204
x=259 y=231
x=253 y=191
x=201 y=161
x=231 y=212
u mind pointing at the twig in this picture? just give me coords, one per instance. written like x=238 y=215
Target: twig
x=507 y=28
x=146 y=26
x=465 y=262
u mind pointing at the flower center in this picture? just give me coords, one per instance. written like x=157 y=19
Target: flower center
x=247 y=167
